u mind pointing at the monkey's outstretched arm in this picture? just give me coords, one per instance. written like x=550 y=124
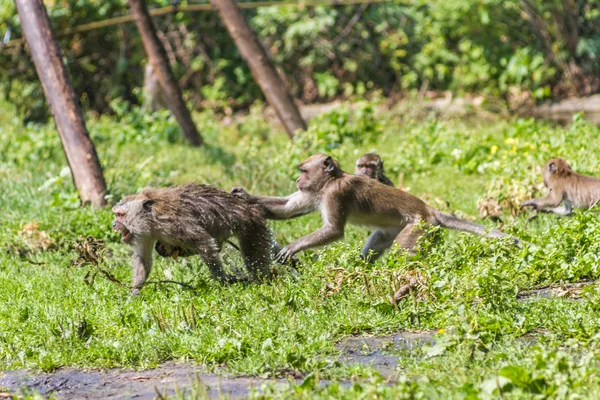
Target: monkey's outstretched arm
x=292 y=206
x=325 y=235
x=553 y=200
x=334 y=218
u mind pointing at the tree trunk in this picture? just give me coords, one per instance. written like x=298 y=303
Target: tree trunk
x=260 y=65
x=79 y=149
x=160 y=65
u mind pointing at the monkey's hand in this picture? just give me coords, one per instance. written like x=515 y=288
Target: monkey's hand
x=286 y=254
x=242 y=194
x=528 y=203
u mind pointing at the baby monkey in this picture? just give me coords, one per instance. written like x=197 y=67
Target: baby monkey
x=567 y=187
x=192 y=219
x=371 y=165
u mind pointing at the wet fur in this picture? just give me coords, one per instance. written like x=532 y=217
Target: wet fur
x=196 y=219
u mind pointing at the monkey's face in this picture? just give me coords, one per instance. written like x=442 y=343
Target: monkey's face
x=315 y=171
x=555 y=167
x=132 y=219
x=370 y=169
x=370 y=165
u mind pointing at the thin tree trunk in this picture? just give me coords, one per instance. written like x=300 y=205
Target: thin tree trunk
x=79 y=149
x=158 y=59
x=260 y=65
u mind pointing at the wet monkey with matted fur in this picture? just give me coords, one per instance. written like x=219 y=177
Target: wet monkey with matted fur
x=567 y=188
x=192 y=219
x=342 y=198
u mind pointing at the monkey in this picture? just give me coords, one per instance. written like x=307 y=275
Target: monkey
x=343 y=198
x=192 y=219
x=371 y=165
x=567 y=187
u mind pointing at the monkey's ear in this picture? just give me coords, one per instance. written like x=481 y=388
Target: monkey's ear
x=552 y=167
x=147 y=205
x=331 y=167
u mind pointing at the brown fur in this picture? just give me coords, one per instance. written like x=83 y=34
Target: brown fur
x=567 y=187
x=343 y=198
x=371 y=165
x=192 y=219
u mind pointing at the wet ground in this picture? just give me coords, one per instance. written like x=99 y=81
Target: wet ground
x=573 y=291
x=69 y=383
x=381 y=352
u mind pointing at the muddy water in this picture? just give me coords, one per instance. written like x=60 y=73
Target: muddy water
x=69 y=383
x=376 y=351
x=571 y=291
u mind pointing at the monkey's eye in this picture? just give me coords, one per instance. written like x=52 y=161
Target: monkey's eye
x=120 y=214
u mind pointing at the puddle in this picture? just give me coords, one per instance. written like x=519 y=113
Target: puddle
x=571 y=291
x=70 y=383
x=375 y=350
x=188 y=380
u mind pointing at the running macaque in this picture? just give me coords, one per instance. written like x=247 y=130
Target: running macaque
x=342 y=198
x=567 y=187
x=371 y=165
x=192 y=219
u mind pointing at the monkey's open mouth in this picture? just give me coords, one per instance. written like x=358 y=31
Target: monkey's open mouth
x=126 y=236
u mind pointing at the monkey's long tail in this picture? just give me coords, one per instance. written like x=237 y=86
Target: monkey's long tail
x=452 y=222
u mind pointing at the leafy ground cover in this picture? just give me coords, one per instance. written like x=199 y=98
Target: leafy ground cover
x=53 y=313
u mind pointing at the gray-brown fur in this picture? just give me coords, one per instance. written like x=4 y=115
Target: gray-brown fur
x=343 y=198
x=567 y=188
x=192 y=219
x=371 y=165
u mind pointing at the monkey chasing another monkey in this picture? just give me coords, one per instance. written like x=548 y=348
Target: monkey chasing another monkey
x=567 y=187
x=192 y=219
x=343 y=198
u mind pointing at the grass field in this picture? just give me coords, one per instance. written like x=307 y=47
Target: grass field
x=52 y=314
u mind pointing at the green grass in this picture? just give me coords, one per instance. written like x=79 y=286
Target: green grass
x=50 y=317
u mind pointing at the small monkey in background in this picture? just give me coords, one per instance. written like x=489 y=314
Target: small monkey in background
x=342 y=198
x=567 y=187
x=192 y=219
x=371 y=165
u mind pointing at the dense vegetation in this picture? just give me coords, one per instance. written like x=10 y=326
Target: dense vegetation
x=53 y=312
x=518 y=49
